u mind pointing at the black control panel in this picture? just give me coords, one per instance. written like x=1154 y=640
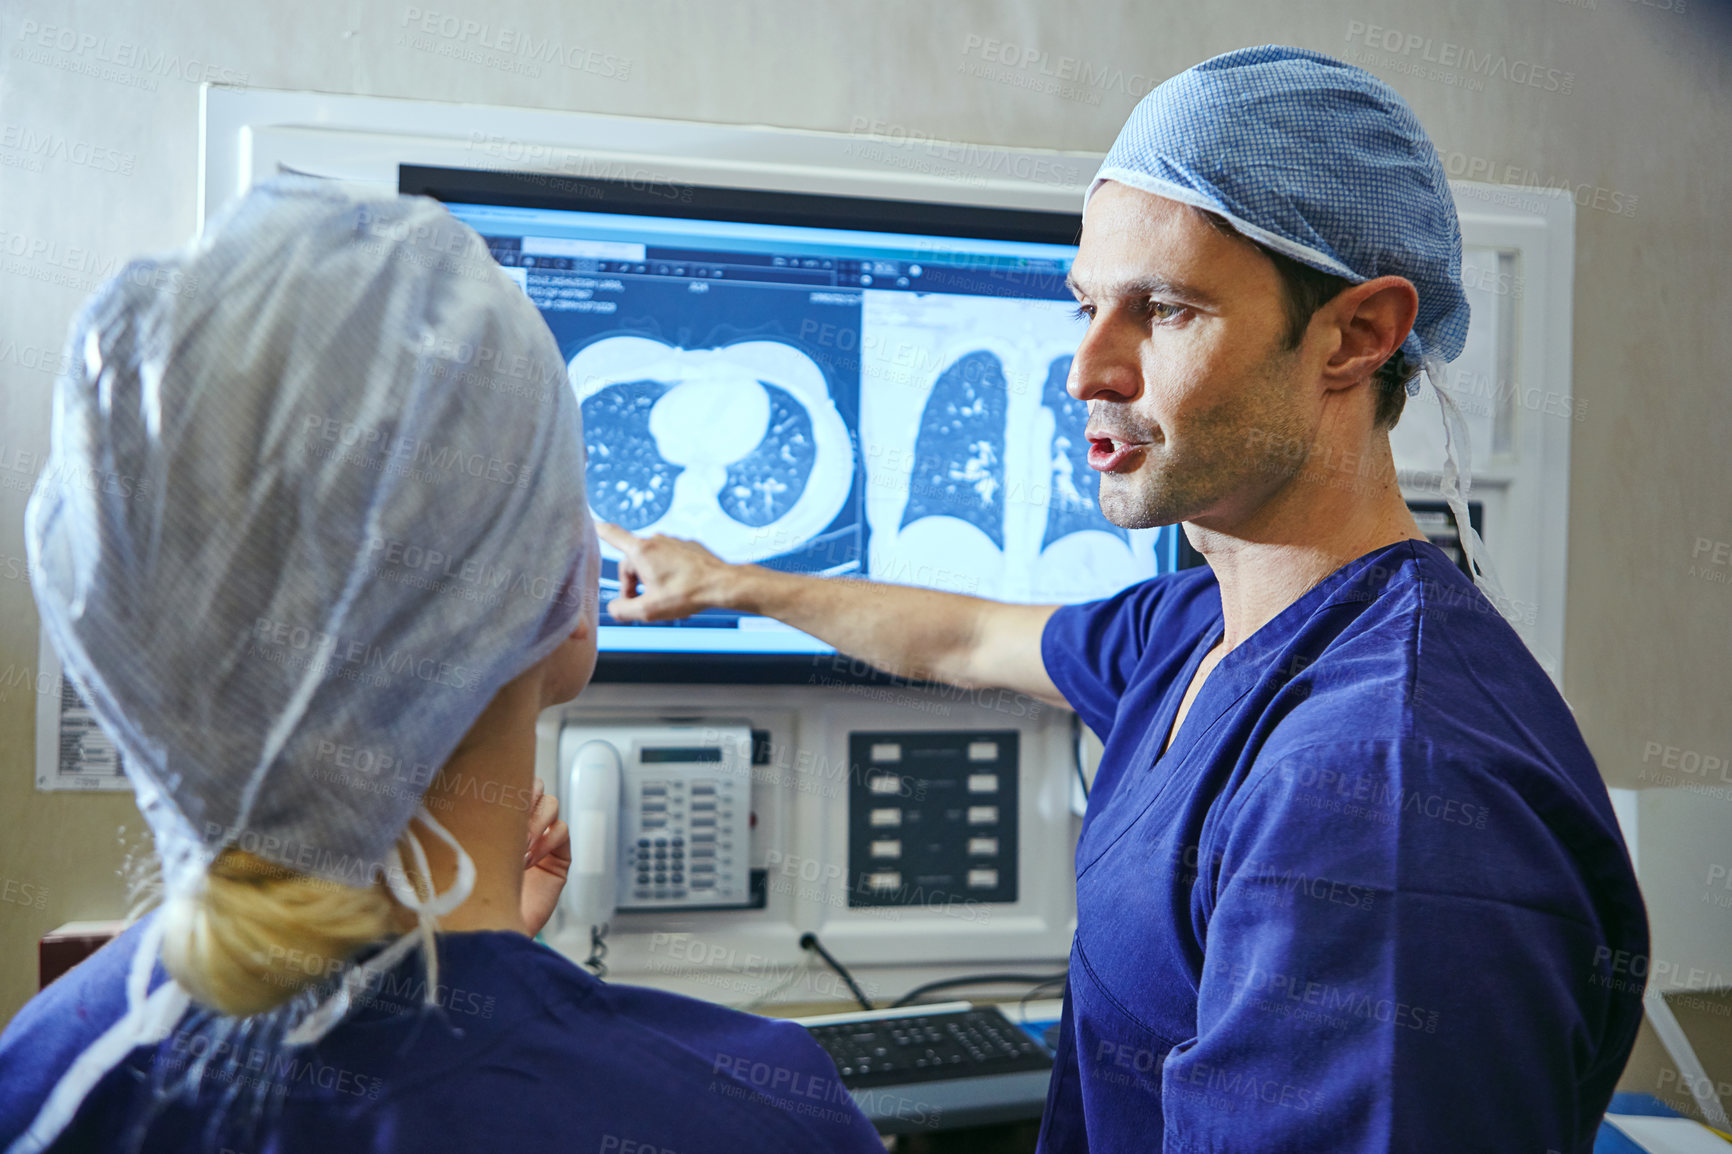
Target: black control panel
x=932 y=817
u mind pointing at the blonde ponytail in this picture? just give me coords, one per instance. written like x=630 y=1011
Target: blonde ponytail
x=256 y=933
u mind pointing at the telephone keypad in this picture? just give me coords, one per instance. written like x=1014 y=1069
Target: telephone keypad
x=674 y=817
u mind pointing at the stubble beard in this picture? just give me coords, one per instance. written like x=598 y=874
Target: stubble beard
x=1250 y=442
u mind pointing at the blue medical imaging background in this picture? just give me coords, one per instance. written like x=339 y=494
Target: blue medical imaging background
x=669 y=312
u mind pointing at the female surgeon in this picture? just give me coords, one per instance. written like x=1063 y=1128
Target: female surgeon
x=312 y=542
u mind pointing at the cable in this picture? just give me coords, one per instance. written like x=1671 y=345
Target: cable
x=1076 y=749
x=1022 y=1006
x=778 y=989
x=809 y=941
x=974 y=980
x=597 y=951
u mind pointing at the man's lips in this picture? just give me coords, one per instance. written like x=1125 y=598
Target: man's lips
x=1108 y=453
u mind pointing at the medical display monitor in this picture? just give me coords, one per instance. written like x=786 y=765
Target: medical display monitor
x=858 y=388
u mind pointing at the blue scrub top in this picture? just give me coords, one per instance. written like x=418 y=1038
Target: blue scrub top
x=1373 y=898
x=527 y=1052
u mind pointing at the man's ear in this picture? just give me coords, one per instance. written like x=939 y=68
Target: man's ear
x=1371 y=320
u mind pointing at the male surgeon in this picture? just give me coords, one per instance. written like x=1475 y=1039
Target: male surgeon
x=1349 y=879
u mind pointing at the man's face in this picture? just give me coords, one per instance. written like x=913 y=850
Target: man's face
x=1184 y=366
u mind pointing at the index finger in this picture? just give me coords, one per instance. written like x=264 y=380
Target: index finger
x=616 y=535
x=622 y=539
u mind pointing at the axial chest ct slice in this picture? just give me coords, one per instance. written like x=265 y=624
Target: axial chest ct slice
x=766 y=483
x=1073 y=502
x=959 y=451
x=630 y=482
x=737 y=446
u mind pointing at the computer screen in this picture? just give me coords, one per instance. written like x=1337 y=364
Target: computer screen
x=830 y=385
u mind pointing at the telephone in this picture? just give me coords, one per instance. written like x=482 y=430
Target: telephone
x=660 y=817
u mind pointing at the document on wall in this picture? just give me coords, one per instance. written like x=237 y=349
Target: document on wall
x=72 y=752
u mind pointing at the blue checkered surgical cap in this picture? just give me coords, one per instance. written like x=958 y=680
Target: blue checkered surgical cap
x=1324 y=163
x=1316 y=159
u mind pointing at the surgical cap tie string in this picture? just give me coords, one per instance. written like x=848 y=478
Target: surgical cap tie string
x=434 y=905
x=1457 y=482
x=427 y=910
x=150 y=1015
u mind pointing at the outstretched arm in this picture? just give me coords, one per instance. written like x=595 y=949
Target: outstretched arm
x=916 y=633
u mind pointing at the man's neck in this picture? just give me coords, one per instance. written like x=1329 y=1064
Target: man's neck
x=1336 y=509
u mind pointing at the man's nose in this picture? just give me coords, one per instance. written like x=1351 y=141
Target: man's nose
x=1106 y=364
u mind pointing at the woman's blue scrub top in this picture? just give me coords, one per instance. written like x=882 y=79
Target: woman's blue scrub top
x=526 y=1052
x=1373 y=898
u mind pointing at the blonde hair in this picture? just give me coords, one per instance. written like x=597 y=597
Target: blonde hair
x=256 y=933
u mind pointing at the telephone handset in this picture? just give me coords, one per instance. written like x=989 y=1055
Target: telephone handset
x=592 y=788
x=660 y=818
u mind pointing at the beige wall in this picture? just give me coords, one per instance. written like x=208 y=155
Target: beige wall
x=1647 y=116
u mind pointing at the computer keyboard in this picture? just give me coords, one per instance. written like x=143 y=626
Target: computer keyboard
x=962 y=1065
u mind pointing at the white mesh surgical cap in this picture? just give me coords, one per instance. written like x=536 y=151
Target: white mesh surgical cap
x=315 y=492
x=1326 y=164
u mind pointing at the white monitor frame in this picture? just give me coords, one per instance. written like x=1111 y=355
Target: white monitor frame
x=250 y=134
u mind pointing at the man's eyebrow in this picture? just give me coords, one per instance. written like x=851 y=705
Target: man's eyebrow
x=1145 y=286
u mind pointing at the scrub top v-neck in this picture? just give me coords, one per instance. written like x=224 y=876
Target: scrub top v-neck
x=1196 y=671
x=1367 y=898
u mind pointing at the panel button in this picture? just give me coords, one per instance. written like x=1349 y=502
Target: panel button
x=885 y=817
x=884 y=783
x=983 y=783
x=984 y=879
x=982 y=846
x=886 y=751
x=983 y=815
x=887 y=849
x=983 y=751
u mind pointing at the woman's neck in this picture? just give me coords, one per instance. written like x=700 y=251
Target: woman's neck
x=482 y=797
